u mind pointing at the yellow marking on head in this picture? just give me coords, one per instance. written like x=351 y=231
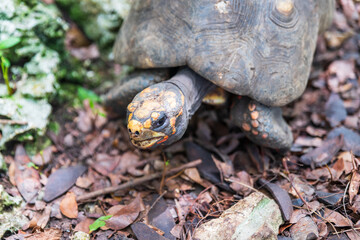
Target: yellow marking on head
x=155 y=115
x=147 y=108
x=180 y=113
x=132 y=106
x=182 y=99
x=151 y=104
x=171 y=101
x=172 y=124
x=170 y=94
x=142 y=113
x=147 y=123
x=130 y=117
x=135 y=125
x=147 y=90
x=163 y=140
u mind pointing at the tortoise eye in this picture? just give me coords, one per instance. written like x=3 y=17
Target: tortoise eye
x=160 y=121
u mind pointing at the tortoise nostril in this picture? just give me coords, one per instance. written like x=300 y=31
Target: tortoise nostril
x=129 y=130
x=137 y=133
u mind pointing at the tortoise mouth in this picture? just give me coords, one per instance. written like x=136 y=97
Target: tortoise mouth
x=146 y=143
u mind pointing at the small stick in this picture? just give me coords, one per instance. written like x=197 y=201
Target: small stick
x=12 y=122
x=135 y=182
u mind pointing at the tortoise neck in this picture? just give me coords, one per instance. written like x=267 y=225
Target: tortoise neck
x=193 y=86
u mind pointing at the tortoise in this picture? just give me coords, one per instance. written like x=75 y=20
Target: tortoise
x=259 y=50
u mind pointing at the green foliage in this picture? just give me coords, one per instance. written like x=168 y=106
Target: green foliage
x=10 y=42
x=100 y=222
x=84 y=93
x=54 y=127
x=32 y=165
x=93 y=98
x=4 y=62
x=40 y=30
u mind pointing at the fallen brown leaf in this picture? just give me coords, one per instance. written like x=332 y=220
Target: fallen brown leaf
x=61 y=180
x=354 y=186
x=83 y=226
x=27 y=179
x=125 y=215
x=50 y=233
x=44 y=157
x=242 y=183
x=45 y=217
x=68 y=206
x=305 y=228
x=336 y=218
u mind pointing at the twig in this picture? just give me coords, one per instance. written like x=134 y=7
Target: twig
x=162 y=183
x=135 y=182
x=284 y=161
x=156 y=201
x=12 y=122
x=242 y=184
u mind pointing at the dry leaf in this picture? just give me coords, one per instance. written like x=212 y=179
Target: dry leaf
x=354 y=186
x=336 y=218
x=45 y=217
x=242 y=183
x=68 y=205
x=61 y=180
x=83 y=226
x=338 y=169
x=124 y=215
x=27 y=179
x=50 y=233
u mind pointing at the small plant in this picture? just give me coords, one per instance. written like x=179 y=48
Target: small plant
x=93 y=98
x=100 y=222
x=4 y=62
x=32 y=165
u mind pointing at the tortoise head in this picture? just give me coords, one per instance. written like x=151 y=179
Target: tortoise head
x=156 y=116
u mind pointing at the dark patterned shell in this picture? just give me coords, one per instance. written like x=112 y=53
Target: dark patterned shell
x=248 y=47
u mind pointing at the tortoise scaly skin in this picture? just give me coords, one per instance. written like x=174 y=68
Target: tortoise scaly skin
x=262 y=124
x=261 y=50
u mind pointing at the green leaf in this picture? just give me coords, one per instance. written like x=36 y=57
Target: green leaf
x=10 y=42
x=5 y=62
x=31 y=164
x=54 y=127
x=101 y=114
x=100 y=222
x=84 y=93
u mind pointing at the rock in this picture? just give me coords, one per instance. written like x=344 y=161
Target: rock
x=254 y=217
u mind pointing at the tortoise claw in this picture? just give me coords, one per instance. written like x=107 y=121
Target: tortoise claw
x=262 y=124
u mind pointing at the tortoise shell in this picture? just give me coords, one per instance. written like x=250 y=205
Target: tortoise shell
x=258 y=48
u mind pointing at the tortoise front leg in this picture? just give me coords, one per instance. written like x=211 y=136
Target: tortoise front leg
x=116 y=101
x=262 y=124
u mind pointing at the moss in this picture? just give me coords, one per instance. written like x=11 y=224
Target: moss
x=11 y=217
